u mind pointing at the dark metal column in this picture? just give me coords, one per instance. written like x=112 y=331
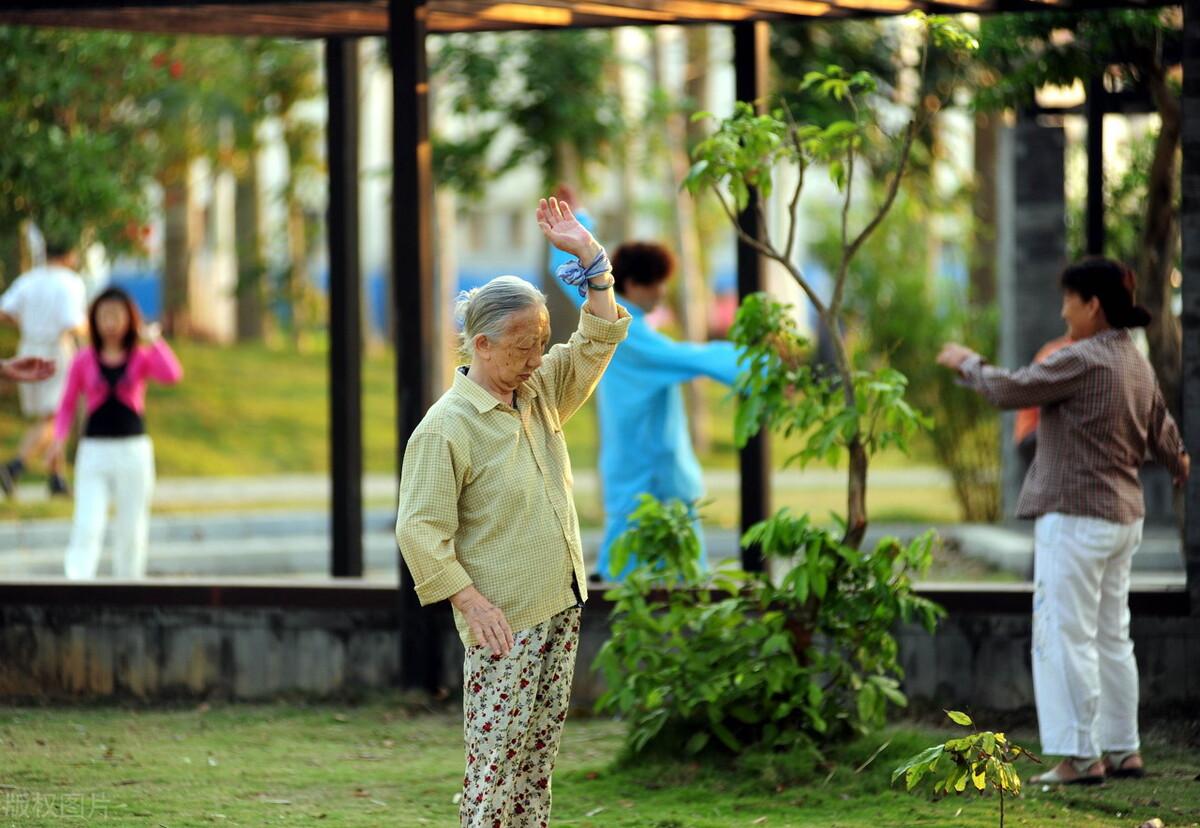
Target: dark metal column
x=1190 y=229
x=345 y=303
x=413 y=300
x=750 y=55
x=1095 y=165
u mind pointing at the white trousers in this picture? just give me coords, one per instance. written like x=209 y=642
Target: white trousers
x=1085 y=677
x=111 y=471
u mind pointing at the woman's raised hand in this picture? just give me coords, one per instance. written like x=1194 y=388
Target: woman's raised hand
x=953 y=355
x=151 y=332
x=564 y=231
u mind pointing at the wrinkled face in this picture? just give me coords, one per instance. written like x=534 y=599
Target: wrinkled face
x=512 y=359
x=112 y=320
x=1083 y=318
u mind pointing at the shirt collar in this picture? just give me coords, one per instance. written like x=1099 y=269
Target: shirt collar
x=478 y=396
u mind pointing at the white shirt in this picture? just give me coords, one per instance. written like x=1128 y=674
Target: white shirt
x=46 y=302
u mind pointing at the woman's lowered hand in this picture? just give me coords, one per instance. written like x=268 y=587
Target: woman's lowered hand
x=487 y=622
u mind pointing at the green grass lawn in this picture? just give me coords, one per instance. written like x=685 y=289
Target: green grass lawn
x=253 y=409
x=379 y=764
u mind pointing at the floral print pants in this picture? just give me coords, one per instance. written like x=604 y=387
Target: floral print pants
x=514 y=707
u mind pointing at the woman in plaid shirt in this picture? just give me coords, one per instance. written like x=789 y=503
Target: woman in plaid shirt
x=1101 y=413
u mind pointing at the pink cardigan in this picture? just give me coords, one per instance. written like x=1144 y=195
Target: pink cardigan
x=147 y=362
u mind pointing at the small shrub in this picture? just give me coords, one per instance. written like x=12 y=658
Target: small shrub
x=979 y=761
x=734 y=659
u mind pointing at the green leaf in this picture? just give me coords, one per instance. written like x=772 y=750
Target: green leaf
x=960 y=718
x=697 y=742
x=979 y=775
x=726 y=736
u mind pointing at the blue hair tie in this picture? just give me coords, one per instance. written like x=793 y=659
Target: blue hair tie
x=575 y=274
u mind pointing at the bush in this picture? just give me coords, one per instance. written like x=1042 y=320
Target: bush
x=733 y=659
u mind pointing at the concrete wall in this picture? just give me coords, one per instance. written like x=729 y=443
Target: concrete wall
x=60 y=653
x=74 y=651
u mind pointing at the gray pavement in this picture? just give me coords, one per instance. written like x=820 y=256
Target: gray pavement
x=294 y=543
x=299 y=488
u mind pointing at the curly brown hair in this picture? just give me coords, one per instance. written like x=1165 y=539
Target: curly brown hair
x=641 y=263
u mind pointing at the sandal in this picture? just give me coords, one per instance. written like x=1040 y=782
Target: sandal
x=1055 y=775
x=1114 y=765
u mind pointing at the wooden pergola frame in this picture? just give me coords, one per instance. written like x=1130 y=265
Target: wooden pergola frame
x=406 y=23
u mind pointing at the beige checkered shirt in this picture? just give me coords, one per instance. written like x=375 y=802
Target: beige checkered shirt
x=485 y=492
x=1101 y=412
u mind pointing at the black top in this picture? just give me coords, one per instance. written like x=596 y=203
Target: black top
x=113 y=418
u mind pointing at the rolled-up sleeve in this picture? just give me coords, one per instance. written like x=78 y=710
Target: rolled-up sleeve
x=1044 y=383
x=427 y=518
x=572 y=370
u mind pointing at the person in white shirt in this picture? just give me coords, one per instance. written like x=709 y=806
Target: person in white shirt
x=49 y=306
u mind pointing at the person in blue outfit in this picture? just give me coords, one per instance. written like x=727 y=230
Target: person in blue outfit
x=645 y=443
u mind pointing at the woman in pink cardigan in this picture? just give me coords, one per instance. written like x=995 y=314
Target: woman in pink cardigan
x=115 y=458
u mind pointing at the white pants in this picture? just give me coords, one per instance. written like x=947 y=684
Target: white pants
x=40 y=399
x=111 y=470
x=1085 y=677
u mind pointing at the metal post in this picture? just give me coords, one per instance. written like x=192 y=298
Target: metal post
x=345 y=303
x=1095 y=166
x=750 y=45
x=413 y=300
x=1190 y=230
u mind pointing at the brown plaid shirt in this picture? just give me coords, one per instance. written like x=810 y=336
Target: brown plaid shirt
x=1101 y=411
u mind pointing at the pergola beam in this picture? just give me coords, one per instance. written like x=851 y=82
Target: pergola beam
x=362 y=18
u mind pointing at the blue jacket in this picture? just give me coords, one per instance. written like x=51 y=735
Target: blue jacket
x=645 y=444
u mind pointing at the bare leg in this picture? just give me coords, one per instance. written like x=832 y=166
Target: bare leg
x=37 y=441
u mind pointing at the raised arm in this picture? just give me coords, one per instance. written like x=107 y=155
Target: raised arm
x=570 y=372
x=1048 y=382
x=664 y=361
x=161 y=364
x=565 y=232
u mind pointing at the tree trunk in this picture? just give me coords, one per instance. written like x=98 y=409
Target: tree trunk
x=446 y=212
x=1159 y=243
x=856 y=475
x=177 y=250
x=564 y=316
x=297 y=278
x=251 y=269
x=693 y=304
x=983 y=203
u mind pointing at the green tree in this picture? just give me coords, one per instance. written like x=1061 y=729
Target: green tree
x=549 y=90
x=546 y=98
x=846 y=410
x=232 y=85
x=76 y=161
x=1128 y=48
x=895 y=283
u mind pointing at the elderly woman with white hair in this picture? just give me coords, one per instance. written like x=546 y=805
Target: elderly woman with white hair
x=487 y=520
